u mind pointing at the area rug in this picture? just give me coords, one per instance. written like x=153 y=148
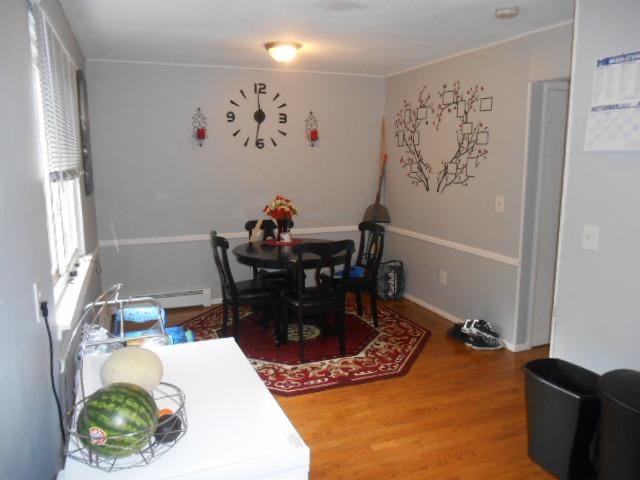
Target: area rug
x=372 y=354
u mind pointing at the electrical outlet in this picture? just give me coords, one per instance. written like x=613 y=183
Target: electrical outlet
x=37 y=298
x=499 y=204
x=443 y=277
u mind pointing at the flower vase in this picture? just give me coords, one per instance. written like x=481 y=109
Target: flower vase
x=284 y=235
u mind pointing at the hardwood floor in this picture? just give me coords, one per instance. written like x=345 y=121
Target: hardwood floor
x=458 y=414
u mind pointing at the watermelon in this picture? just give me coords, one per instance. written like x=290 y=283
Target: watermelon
x=118 y=420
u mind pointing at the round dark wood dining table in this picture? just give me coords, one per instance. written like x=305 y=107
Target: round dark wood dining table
x=262 y=255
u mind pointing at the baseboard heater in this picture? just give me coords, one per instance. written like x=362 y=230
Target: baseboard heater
x=183 y=298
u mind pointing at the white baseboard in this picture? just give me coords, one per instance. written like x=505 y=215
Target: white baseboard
x=518 y=347
x=454 y=319
x=434 y=309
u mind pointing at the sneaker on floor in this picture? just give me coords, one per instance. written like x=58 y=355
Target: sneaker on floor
x=484 y=342
x=475 y=326
x=456 y=333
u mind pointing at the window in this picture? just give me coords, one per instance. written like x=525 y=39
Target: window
x=55 y=88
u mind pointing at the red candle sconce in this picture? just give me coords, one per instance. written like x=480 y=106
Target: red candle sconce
x=199 y=122
x=311 y=129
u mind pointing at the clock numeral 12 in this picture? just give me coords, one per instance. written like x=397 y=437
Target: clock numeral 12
x=282 y=118
x=260 y=88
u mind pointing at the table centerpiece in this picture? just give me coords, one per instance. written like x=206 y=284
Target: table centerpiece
x=281 y=209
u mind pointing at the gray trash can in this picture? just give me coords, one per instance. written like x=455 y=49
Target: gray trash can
x=619 y=451
x=562 y=413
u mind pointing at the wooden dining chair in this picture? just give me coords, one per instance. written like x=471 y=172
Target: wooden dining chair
x=325 y=297
x=268 y=226
x=270 y=230
x=369 y=257
x=254 y=293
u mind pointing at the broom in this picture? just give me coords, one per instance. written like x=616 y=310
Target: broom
x=378 y=212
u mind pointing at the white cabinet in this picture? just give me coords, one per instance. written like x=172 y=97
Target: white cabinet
x=236 y=429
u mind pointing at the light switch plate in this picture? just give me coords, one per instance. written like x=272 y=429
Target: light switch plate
x=499 y=204
x=591 y=237
x=443 y=277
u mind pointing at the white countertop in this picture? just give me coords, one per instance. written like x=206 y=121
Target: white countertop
x=236 y=429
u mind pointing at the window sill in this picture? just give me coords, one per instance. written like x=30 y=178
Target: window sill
x=68 y=306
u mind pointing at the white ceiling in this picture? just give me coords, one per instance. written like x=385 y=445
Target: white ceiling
x=371 y=37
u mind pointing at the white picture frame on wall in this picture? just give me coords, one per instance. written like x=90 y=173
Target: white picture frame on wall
x=448 y=97
x=472 y=166
x=486 y=104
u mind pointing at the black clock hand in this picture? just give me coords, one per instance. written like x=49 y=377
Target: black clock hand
x=257 y=130
x=258 y=95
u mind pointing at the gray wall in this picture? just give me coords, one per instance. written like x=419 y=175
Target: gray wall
x=30 y=441
x=153 y=180
x=597 y=306
x=478 y=286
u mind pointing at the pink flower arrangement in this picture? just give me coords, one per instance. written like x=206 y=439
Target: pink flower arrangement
x=280 y=208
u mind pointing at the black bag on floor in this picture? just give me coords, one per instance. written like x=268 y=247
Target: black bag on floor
x=391 y=280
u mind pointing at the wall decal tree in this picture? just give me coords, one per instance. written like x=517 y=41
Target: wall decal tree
x=472 y=135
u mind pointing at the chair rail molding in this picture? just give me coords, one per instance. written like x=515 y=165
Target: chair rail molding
x=120 y=242
x=461 y=247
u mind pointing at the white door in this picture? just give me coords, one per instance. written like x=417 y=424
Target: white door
x=549 y=191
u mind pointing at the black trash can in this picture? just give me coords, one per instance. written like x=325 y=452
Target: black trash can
x=563 y=409
x=619 y=451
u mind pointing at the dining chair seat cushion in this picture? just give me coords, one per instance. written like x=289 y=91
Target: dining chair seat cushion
x=357 y=271
x=362 y=282
x=254 y=289
x=317 y=297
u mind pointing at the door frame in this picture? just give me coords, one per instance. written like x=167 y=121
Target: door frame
x=526 y=294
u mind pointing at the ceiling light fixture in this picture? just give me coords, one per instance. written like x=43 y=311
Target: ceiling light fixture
x=507 y=12
x=283 y=52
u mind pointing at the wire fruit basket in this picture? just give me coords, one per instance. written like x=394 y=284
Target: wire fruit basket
x=117 y=449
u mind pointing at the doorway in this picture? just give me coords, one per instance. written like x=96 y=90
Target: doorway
x=543 y=194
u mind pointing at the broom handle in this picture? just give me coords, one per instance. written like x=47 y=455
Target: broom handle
x=383 y=161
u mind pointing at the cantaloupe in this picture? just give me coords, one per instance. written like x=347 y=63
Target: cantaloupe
x=135 y=365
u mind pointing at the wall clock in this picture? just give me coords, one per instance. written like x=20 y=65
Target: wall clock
x=258 y=116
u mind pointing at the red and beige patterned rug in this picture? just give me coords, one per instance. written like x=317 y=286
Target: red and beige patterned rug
x=372 y=354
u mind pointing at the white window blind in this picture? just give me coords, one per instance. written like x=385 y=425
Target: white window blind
x=57 y=82
x=55 y=91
